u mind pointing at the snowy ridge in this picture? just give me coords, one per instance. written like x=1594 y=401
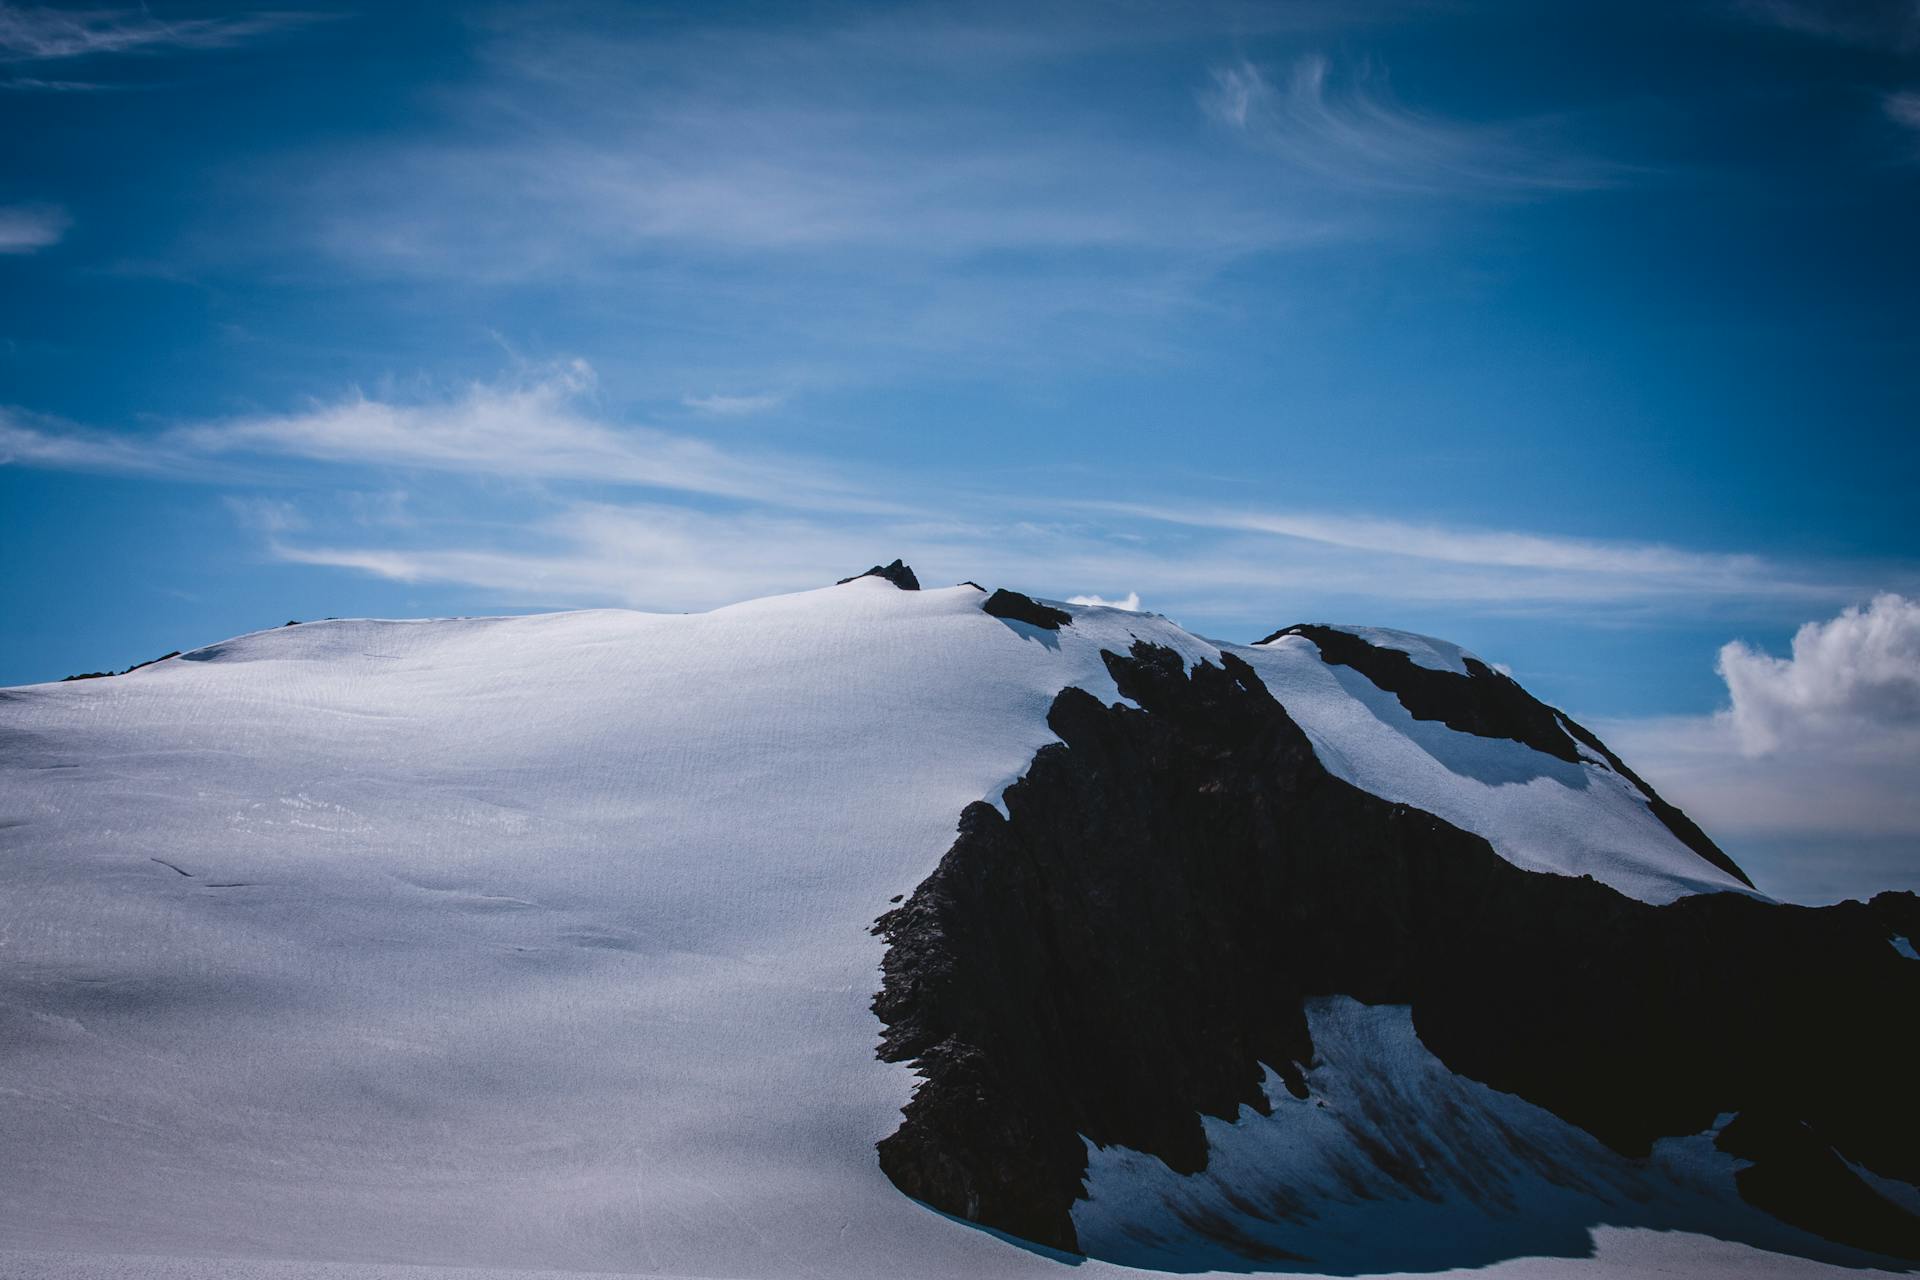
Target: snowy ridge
x=1538 y=812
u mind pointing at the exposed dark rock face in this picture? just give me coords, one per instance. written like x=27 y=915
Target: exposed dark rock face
x=1018 y=608
x=1488 y=704
x=1798 y=1178
x=897 y=573
x=1121 y=955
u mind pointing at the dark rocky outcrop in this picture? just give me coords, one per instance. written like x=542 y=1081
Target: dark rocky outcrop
x=1798 y=1178
x=1015 y=607
x=101 y=675
x=1122 y=954
x=1491 y=704
x=898 y=573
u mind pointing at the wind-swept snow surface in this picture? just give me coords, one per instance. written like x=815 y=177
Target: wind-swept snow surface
x=534 y=941
x=544 y=942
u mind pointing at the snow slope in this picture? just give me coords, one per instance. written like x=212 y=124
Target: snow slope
x=532 y=941
x=1538 y=811
x=543 y=942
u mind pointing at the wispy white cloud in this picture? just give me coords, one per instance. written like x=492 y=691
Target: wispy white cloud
x=733 y=406
x=36 y=84
x=1529 y=564
x=29 y=228
x=658 y=555
x=1350 y=132
x=271 y=516
x=646 y=555
x=536 y=426
x=37 y=33
x=607 y=553
x=791 y=178
x=930 y=177
x=531 y=427
x=877 y=133
x=1903 y=108
x=1891 y=24
x=722 y=520
x=33 y=440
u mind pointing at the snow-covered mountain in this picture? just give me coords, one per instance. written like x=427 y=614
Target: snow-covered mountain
x=646 y=943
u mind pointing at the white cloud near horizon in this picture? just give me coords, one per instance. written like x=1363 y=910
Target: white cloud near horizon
x=1821 y=747
x=1852 y=679
x=29 y=228
x=1351 y=133
x=1129 y=602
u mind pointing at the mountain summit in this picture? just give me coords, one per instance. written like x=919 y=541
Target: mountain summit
x=687 y=944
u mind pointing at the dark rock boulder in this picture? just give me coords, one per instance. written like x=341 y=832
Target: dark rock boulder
x=1015 y=607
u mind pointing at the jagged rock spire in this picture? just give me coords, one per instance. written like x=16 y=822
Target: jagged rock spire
x=898 y=573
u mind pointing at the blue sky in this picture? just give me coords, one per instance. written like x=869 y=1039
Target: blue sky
x=1581 y=334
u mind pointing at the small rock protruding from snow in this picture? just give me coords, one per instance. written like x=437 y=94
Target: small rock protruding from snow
x=1015 y=607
